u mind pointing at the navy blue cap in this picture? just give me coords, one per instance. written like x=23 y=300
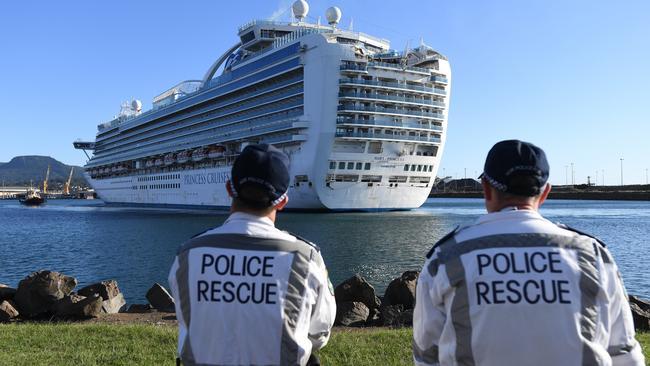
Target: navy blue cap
x=264 y=166
x=513 y=158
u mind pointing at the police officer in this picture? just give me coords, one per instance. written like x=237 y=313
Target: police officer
x=247 y=293
x=514 y=288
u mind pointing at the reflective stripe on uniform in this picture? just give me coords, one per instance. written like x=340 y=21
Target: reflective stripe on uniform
x=429 y=355
x=450 y=255
x=184 y=293
x=296 y=288
x=620 y=349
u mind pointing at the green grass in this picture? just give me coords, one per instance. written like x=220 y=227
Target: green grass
x=102 y=344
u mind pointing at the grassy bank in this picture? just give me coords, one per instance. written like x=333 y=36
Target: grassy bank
x=102 y=344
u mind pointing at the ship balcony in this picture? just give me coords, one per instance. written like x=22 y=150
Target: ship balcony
x=358 y=69
x=386 y=137
x=389 y=85
x=439 y=79
x=350 y=108
x=398 y=67
x=283 y=139
x=392 y=98
x=345 y=121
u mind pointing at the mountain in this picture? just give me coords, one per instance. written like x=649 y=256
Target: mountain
x=23 y=169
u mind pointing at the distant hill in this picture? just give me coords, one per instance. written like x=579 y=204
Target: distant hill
x=23 y=169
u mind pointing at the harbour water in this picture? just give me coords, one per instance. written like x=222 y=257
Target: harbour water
x=94 y=242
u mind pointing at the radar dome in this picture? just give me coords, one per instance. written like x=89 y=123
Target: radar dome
x=333 y=15
x=136 y=105
x=300 y=9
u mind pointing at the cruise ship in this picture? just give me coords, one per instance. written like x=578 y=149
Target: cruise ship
x=364 y=125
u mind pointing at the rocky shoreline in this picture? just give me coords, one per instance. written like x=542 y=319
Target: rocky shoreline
x=50 y=296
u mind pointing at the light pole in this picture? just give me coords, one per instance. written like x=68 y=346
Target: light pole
x=603 y=174
x=646 y=175
x=621 y=171
x=596 y=179
x=573 y=175
x=566 y=175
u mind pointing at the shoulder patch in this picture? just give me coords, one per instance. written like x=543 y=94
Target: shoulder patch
x=444 y=239
x=567 y=227
x=311 y=244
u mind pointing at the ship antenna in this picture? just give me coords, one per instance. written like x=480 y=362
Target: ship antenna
x=351 y=27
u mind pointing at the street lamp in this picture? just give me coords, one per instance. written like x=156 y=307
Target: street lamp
x=621 y=171
x=573 y=176
x=566 y=175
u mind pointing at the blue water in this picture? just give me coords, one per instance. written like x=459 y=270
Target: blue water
x=93 y=242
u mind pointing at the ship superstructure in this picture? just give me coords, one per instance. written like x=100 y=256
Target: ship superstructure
x=363 y=125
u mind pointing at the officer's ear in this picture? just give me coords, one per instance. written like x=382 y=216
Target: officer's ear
x=229 y=189
x=282 y=203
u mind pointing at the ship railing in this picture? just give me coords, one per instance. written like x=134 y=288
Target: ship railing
x=197 y=140
x=386 y=136
x=350 y=107
x=257 y=114
x=355 y=121
x=387 y=84
x=439 y=79
x=260 y=22
x=399 y=67
x=391 y=98
x=353 y=67
x=440 y=91
x=298 y=33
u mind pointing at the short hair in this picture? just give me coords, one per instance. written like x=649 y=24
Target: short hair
x=524 y=185
x=254 y=197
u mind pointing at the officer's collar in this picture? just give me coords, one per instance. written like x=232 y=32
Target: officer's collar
x=506 y=212
x=242 y=216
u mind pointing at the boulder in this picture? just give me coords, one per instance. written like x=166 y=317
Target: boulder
x=401 y=291
x=40 y=290
x=640 y=317
x=7 y=311
x=6 y=292
x=113 y=300
x=77 y=306
x=351 y=314
x=357 y=289
x=139 y=308
x=106 y=289
x=641 y=303
x=396 y=316
x=160 y=299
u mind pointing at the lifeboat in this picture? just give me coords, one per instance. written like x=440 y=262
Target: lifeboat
x=198 y=154
x=170 y=159
x=216 y=152
x=158 y=162
x=149 y=163
x=113 y=169
x=183 y=157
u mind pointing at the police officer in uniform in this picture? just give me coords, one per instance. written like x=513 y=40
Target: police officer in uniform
x=247 y=293
x=515 y=289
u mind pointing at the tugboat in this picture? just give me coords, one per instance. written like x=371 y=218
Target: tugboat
x=32 y=198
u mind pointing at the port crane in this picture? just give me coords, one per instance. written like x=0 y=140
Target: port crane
x=47 y=177
x=66 y=187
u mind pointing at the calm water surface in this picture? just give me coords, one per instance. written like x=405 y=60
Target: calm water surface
x=136 y=246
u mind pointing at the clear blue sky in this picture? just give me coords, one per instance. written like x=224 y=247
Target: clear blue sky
x=570 y=76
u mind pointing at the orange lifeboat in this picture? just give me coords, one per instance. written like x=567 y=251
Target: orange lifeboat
x=183 y=157
x=216 y=152
x=198 y=154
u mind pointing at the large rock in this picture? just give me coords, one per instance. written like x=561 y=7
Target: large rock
x=160 y=299
x=401 y=291
x=139 y=308
x=396 y=316
x=640 y=313
x=6 y=292
x=7 y=311
x=77 y=306
x=357 y=289
x=40 y=290
x=351 y=314
x=113 y=300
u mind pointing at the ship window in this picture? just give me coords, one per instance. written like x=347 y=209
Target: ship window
x=341 y=165
x=366 y=166
x=406 y=168
x=413 y=167
x=332 y=165
x=350 y=165
x=430 y=168
x=359 y=166
x=247 y=37
x=419 y=168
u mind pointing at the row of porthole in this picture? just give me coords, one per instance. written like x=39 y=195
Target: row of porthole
x=349 y=165
x=159 y=186
x=159 y=177
x=418 y=167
